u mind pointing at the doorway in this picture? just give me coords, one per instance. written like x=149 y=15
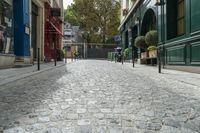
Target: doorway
x=34 y=30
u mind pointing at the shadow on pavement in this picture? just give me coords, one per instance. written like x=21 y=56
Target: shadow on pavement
x=24 y=100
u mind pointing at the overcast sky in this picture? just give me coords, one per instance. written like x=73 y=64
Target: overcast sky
x=67 y=2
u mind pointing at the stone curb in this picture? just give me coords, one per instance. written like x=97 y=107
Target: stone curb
x=18 y=77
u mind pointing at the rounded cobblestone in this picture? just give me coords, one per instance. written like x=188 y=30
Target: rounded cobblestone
x=91 y=96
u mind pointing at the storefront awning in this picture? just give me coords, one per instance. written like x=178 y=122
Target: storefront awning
x=56 y=29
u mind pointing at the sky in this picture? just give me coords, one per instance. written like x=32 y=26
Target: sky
x=67 y=2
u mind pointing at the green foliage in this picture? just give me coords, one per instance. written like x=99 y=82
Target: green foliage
x=151 y=38
x=97 y=17
x=71 y=15
x=140 y=42
x=126 y=52
x=151 y=48
x=60 y=54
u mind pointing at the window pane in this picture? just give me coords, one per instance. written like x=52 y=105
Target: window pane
x=181 y=10
x=180 y=18
x=180 y=26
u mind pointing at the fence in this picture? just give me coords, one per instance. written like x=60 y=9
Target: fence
x=99 y=50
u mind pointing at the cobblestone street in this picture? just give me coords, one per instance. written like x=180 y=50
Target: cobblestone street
x=94 y=96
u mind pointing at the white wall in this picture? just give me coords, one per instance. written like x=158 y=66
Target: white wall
x=124 y=6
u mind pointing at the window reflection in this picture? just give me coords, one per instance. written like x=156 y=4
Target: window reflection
x=6 y=26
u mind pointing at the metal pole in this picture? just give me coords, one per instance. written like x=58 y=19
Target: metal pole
x=55 y=58
x=65 y=55
x=38 y=59
x=163 y=36
x=133 y=57
x=159 y=61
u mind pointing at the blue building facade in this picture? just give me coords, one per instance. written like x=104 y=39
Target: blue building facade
x=14 y=32
x=21 y=28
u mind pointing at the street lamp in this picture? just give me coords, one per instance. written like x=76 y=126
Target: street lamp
x=160 y=3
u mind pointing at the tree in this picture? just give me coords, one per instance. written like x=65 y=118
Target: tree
x=99 y=18
x=71 y=15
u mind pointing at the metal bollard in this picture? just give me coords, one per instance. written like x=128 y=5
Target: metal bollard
x=38 y=59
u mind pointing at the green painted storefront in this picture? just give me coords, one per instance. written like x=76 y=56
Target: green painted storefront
x=178 y=26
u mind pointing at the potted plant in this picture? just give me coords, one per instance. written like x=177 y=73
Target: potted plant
x=126 y=53
x=152 y=51
x=151 y=40
x=140 y=43
x=60 y=54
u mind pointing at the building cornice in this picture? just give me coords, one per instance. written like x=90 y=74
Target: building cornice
x=129 y=13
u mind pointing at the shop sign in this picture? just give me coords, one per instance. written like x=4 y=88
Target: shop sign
x=27 y=30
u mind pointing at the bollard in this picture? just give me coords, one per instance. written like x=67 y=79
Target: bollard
x=65 y=56
x=159 y=62
x=55 y=58
x=38 y=59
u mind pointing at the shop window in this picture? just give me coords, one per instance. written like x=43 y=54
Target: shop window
x=181 y=17
x=6 y=27
x=175 y=18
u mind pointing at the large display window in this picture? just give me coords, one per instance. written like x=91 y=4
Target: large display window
x=6 y=26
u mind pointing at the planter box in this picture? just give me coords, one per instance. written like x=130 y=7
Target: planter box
x=7 y=60
x=153 y=54
x=144 y=55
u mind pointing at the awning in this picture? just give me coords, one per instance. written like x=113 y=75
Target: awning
x=56 y=29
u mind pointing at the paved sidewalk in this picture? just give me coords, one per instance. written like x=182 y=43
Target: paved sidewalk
x=12 y=74
x=181 y=76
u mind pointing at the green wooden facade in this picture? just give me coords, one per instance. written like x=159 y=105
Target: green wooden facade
x=176 y=49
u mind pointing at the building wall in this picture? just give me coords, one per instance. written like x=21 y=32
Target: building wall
x=22 y=26
x=40 y=27
x=125 y=4
x=184 y=50
x=53 y=39
x=179 y=50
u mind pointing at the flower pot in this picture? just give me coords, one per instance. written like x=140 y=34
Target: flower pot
x=144 y=55
x=153 y=53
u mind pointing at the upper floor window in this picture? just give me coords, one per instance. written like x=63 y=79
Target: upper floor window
x=175 y=18
x=181 y=17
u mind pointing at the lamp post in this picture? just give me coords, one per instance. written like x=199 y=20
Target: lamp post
x=160 y=3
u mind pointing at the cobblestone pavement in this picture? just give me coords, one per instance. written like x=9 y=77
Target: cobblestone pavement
x=91 y=96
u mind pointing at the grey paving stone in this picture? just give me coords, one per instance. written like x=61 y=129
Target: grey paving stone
x=91 y=96
x=84 y=122
x=84 y=129
x=14 y=130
